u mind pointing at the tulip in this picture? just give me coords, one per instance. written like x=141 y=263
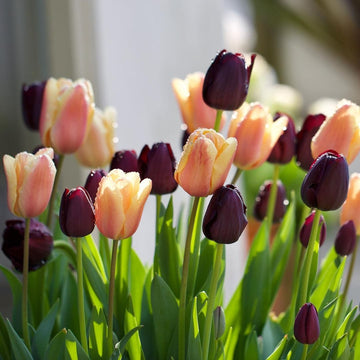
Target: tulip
x=66 y=113
x=56 y=157
x=76 y=216
x=92 y=182
x=119 y=203
x=31 y=101
x=30 y=180
x=227 y=80
x=340 y=132
x=40 y=243
x=310 y=126
x=256 y=133
x=195 y=113
x=97 y=149
x=262 y=200
x=306 y=326
x=326 y=184
x=158 y=164
x=205 y=162
x=125 y=160
x=351 y=207
x=305 y=230
x=284 y=149
x=225 y=217
x=345 y=239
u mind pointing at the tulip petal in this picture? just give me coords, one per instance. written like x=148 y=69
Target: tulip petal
x=11 y=179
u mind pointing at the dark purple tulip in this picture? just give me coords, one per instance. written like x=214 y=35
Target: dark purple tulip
x=346 y=239
x=305 y=230
x=92 y=182
x=262 y=200
x=225 y=217
x=285 y=147
x=126 y=160
x=31 y=101
x=310 y=126
x=227 y=80
x=306 y=326
x=40 y=243
x=326 y=184
x=77 y=215
x=184 y=138
x=158 y=164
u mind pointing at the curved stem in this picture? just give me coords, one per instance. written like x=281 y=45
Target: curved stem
x=80 y=294
x=304 y=291
x=185 y=274
x=111 y=295
x=211 y=300
x=272 y=196
x=24 y=305
x=218 y=120
x=53 y=194
x=236 y=176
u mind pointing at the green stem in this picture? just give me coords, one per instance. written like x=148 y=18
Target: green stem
x=211 y=300
x=111 y=295
x=80 y=294
x=185 y=275
x=218 y=120
x=24 y=304
x=272 y=196
x=236 y=176
x=157 y=232
x=53 y=194
x=304 y=291
x=304 y=354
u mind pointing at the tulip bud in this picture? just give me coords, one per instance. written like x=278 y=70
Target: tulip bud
x=306 y=326
x=40 y=243
x=125 y=160
x=92 y=182
x=219 y=322
x=225 y=217
x=56 y=157
x=227 y=80
x=346 y=239
x=326 y=184
x=284 y=149
x=310 y=126
x=76 y=216
x=158 y=164
x=31 y=101
x=305 y=230
x=262 y=200
x=205 y=162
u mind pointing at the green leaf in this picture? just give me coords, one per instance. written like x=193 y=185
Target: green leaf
x=165 y=310
x=105 y=253
x=340 y=350
x=97 y=334
x=42 y=335
x=5 y=346
x=19 y=349
x=90 y=249
x=276 y=354
x=346 y=324
x=121 y=345
x=194 y=340
x=251 y=347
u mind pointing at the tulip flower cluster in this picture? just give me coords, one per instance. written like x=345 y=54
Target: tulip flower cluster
x=83 y=291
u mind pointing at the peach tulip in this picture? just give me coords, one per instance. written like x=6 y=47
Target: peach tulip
x=66 y=113
x=119 y=203
x=30 y=180
x=351 y=207
x=339 y=132
x=98 y=149
x=195 y=113
x=205 y=162
x=256 y=132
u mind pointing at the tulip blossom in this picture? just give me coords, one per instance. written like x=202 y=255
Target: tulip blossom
x=195 y=113
x=205 y=162
x=227 y=80
x=339 y=132
x=351 y=208
x=158 y=164
x=326 y=184
x=40 y=243
x=76 y=216
x=306 y=326
x=66 y=113
x=119 y=203
x=92 y=182
x=97 y=149
x=125 y=160
x=345 y=240
x=30 y=180
x=305 y=230
x=256 y=133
